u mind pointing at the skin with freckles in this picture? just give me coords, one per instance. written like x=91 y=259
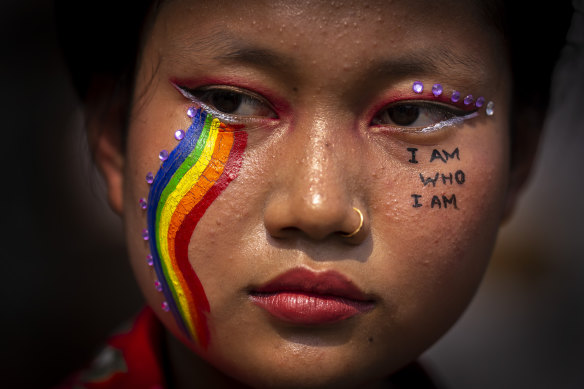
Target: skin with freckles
x=323 y=92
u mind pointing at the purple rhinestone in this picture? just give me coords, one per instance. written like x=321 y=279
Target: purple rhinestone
x=490 y=109
x=179 y=134
x=163 y=155
x=191 y=112
x=143 y=203
x=149 y=260
x=468 y=100
x=165 y=306
x=149 y=178
x=418 y=87
x=455 y=96
x=437 y=89
x=145 y=234
x=480 y=102
x=158 y=285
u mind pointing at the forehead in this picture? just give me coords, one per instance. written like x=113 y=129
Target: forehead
x=302 y=39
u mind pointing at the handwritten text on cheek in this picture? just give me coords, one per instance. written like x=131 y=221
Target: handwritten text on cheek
x=438 y=178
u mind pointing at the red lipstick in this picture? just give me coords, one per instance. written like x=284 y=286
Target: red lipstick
x=301 y=296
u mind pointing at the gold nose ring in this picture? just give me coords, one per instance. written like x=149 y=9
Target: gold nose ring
x=358 y=227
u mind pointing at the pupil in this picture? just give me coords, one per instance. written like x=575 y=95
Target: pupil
x=226 y=101
x=404 y=115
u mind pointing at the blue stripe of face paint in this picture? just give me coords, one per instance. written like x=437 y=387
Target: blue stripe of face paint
x=163 y=177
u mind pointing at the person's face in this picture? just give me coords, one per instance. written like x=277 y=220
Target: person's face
x=326 y=130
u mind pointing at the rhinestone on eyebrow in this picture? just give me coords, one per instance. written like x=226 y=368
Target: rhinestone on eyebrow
x=490 y=111
x=455 y=97
x=418 y=87
x=437 y=90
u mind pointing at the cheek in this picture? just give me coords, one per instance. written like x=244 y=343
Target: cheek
x=190 y=178
x=229 y=246
x=437 y=216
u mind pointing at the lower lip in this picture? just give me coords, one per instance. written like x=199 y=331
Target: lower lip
x=309 y=309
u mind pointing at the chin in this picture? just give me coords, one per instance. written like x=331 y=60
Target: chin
x=306 y=362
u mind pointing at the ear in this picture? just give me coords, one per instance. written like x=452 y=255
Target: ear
x=105 y=112
x=527 y=124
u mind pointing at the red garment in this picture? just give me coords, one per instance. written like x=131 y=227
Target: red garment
x=130 y=359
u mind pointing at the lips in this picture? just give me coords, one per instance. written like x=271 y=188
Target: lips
x=301 y=296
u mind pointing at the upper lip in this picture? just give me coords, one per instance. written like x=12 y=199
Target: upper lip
x=325 y=283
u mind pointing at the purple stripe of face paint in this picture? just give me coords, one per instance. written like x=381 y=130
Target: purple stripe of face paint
x=418 y=87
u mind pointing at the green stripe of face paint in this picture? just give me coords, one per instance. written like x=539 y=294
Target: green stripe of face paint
x=171 y=186
x=184 y=167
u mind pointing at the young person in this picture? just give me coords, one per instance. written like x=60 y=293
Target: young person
x=310 y=191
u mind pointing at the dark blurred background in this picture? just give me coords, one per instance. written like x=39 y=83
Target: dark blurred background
x=66 y=283
x=65 y=280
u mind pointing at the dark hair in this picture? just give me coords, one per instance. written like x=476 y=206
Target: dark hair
x=100 y=39
x=103 y=39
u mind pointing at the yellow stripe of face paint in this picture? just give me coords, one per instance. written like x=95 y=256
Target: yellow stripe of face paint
x=184 y=185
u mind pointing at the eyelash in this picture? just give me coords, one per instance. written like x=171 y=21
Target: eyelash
x=449 y=116
x=205 y=96
x=237 y=97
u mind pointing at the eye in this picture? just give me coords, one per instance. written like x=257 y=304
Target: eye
x=231 y=101
x=415 y=115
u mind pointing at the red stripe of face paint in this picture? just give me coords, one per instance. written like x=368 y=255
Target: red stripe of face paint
x=187 y=228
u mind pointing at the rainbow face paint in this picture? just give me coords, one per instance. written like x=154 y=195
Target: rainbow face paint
x=190 y=178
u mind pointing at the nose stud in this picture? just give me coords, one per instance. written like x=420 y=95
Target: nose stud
x=356 y=231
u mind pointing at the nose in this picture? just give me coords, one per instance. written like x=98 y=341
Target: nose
x=316 y=189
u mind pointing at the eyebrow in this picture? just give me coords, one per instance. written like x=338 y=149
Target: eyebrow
x=450 y=66
x=259 y=57
x=223 y=46
x=435 y=61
